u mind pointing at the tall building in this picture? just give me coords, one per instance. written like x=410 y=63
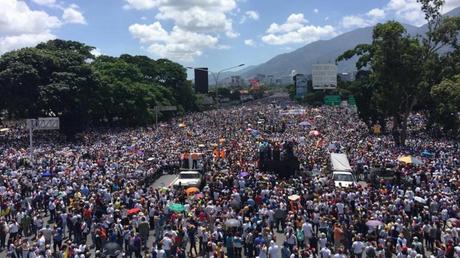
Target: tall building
x=201 y=80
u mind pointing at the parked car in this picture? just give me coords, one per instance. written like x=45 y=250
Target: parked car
x=188 y=178
x=387 y=174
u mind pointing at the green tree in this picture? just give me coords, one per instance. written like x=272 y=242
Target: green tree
x=52 y=79
x=394 y=58
x=446 y=95
x=440 y=55
x=126 y=95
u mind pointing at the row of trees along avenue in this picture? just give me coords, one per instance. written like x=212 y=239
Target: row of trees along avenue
x=399 y=74
x=62 y=78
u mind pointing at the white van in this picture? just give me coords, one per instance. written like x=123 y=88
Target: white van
x=342 y=172
x=343 y=179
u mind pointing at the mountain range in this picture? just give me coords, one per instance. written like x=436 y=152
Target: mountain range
x=322 y=51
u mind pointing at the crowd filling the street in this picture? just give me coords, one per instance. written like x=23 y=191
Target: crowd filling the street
x=267 y=188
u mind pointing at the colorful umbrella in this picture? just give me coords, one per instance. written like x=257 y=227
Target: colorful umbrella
x=46 y=174
x=314 y=133
x=133 y=211
x=192 y=190
x=427 y=154
x=244 y=174
x=198 y=196
x=251 y=202
x=234 y=223
x=294 y=197
x=410 y=160
x=374 y=223
x=176 y=207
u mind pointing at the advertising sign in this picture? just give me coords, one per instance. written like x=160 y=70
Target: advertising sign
x=324 y=76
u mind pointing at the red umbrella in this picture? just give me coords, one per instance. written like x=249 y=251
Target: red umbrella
x=133 y=211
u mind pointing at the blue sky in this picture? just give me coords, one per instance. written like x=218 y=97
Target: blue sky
x=202 y=33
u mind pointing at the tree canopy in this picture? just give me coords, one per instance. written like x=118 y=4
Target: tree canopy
x=404 y=74
x=62 y=78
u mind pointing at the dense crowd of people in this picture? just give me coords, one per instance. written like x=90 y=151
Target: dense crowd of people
x=94 y=198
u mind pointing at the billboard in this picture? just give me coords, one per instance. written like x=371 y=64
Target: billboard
x=324 y=76
x=201 y=80
x=301 y=84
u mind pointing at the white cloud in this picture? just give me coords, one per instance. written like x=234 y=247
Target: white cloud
x=249 y=42
x=140 y=4
x=8 y=43
x=96 y=52
x=72 y=14
x=197 y=25
x=252 y=15
x=296 y=30
x=449 y=5
x=294 y=22
x=376 y=13
x=315 y=10
x=45 y=2
x=359 y=21
x=410 y=11
x=407 y=11
x=20 y=26
x=17 y=18
x=209 y=16
x=353 y=21
x=178 y=44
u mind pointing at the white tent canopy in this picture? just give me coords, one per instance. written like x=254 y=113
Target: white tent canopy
x=339 y=162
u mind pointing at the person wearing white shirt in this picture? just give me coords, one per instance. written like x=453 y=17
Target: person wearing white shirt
x=358 y=248
x=167 y=244
x=325 y=252
x=307 y=232
x=340 y=208
x=274 y=250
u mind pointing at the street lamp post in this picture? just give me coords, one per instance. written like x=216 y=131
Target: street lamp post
x=216 y=76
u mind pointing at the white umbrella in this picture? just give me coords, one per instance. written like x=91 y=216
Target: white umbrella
x=294 y=197
x=420 y=199
x=233 y=223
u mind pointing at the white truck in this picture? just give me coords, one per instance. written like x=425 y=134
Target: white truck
x=188 y=178
x=342 y=172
